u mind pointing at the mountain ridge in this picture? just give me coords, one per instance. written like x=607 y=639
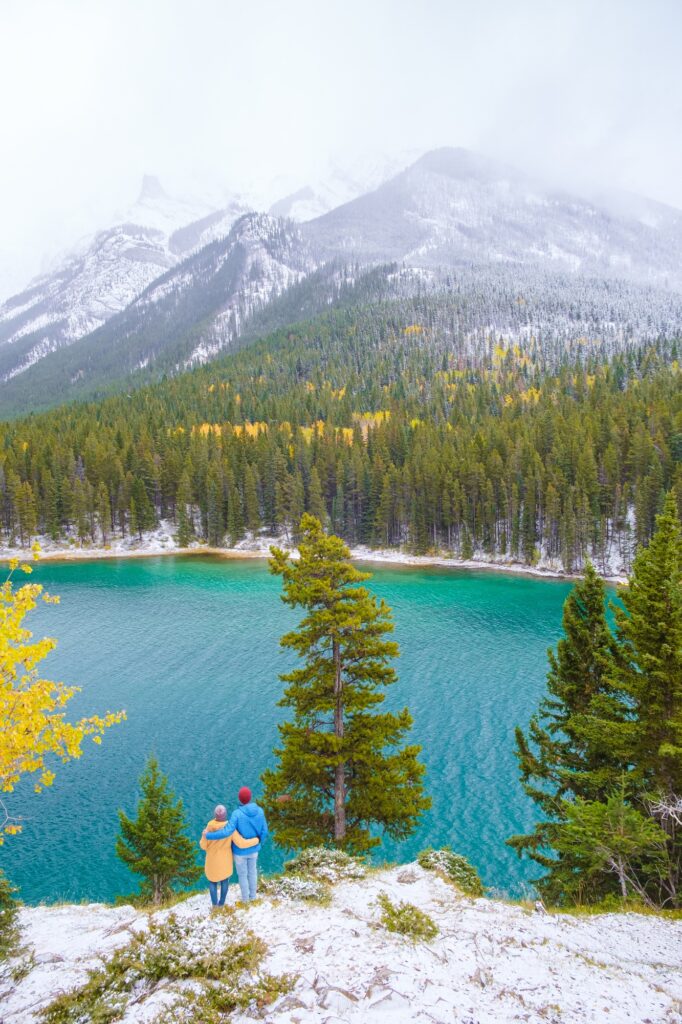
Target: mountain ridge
x=450 y=211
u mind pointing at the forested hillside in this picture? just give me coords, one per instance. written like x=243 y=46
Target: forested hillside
x=396 y=422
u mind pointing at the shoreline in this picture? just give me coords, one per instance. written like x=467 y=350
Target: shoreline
x=392 y=557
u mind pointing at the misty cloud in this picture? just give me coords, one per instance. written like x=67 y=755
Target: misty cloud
x=261 y=96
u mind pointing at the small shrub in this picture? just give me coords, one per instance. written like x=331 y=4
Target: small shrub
x=296 y=888
x=213 y=1003
x=406 y=919
x=218 y=961
x=329 y=865
x=454 y=868
x=9 y=929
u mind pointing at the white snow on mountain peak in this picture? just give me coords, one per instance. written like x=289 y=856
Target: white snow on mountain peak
x=447 y=208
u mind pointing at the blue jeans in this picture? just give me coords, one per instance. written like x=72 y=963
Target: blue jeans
x=247 y=873
x=218 y=898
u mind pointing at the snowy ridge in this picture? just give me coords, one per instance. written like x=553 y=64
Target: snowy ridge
x=490 y=962
x=105 y=273
x=274 y=260
x=452 y=206
x=178 y=281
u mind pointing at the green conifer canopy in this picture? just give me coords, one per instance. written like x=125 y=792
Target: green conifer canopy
x=343 y=771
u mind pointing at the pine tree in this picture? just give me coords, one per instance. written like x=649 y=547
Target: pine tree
x=183 y=511
x=154 y=844
x=80 y=510
x=610 y=842
x=341 y=768
x=649 y=627
x=316 y=506
x=104 y=512
x=567 y=752
x=235 y=518
x=251 y=503
x=142 y=515
x=215 y=526
x=650 y=632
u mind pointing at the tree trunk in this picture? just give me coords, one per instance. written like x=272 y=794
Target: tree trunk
x=340 y=770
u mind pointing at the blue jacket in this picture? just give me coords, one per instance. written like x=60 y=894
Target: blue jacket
x=250 y=821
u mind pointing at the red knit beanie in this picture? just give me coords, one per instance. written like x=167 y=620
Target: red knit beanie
x=244 y=795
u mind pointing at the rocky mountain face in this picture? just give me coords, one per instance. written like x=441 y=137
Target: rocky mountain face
x=178 y=282
x=183 y=317
x=105 y=274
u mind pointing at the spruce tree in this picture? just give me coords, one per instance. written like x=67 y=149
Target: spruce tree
x=609 y=843
x=104 y=512
x=141 y=509
x=567 y=752
x=650 y=633
x=215 y=526
x=316 y=506
x=154 y=844
x=251 y=502
x=183 y=511
x=342 y=768
x=650 y=677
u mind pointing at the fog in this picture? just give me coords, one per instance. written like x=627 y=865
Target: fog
x=263 y=95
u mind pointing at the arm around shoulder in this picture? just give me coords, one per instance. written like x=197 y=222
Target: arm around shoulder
x=242 y=843
x=223 y=833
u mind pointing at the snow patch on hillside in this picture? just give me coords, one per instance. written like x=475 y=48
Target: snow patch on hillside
x=491 y=962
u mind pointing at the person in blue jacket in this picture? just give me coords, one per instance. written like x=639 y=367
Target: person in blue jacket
x=248 y=819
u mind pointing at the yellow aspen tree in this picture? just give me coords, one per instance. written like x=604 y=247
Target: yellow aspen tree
x=34 y=732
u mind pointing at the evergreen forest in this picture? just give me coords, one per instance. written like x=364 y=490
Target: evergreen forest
x=388 y=423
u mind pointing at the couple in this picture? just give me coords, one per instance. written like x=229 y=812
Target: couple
x=241 y=835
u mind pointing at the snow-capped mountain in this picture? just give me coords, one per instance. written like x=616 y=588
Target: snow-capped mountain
x=183 y=317
x=105 y=273
x=177 y=283
x=454 y=207
x=260 y=258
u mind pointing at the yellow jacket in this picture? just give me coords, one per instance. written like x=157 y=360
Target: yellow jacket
x=219 y=852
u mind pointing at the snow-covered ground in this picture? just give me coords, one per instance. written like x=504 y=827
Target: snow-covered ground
x=161 y=541
x=490 y=963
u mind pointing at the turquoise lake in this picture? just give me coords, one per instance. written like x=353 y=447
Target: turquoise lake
x=189 y=647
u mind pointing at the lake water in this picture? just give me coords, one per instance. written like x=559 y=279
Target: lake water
x=189 y=647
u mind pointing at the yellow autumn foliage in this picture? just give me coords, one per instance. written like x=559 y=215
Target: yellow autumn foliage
x=249 y=429
x=33 y=728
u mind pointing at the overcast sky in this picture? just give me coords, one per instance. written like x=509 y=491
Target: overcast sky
x=97 y=92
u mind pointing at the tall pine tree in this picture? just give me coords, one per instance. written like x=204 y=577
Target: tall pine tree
x=342 y=768
x=566 y=754
x=650 y=677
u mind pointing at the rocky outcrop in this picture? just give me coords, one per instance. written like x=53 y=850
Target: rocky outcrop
x=490 y=961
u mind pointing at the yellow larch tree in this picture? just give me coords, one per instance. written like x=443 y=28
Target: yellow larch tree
x=33 y=729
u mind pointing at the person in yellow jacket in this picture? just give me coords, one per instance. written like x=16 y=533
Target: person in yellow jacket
x=219 y=864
